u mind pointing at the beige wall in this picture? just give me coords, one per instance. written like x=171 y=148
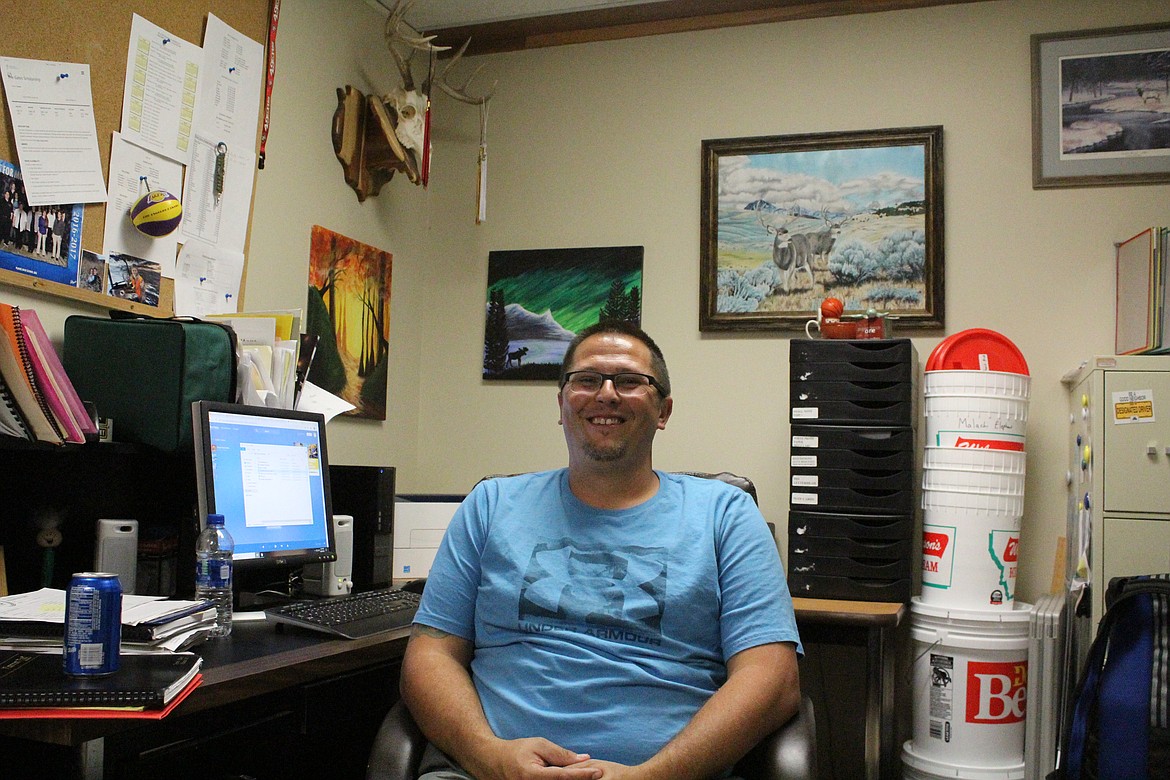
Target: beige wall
x=598 y=144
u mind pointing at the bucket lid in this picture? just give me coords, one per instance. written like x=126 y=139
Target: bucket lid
x=935 y=768
x=1020 y=612
x=977 y=349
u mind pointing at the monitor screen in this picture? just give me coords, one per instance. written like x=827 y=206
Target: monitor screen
x=267 y=472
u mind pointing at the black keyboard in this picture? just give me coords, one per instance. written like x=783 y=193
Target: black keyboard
x=352 y=616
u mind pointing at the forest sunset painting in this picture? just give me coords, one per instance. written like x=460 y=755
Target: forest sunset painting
x=348 y=309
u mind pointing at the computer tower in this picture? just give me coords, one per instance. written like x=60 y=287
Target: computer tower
x=366 y=493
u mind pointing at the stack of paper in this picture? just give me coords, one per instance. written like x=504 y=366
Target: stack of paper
x=269 y=345
x=37 y=618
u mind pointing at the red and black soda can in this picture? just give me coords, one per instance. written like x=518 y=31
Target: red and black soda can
x=93 y=624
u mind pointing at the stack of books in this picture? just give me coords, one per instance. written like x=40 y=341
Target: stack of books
x=37 y=400
x=33 y=684
x=1143 y=294
x=154 y=675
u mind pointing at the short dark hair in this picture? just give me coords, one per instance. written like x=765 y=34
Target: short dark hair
x=627 y=328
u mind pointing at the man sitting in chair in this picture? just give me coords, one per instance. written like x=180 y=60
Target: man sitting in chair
x=606 y=620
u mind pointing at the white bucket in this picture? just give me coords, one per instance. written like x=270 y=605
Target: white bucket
x=986 y=383
x=916 y=767
x=969 y=558
x=976 y=422
x=987 y=503
x=970 y=676
x=971 y=459
x=972 y=481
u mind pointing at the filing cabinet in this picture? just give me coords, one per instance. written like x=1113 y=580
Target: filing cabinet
x=1119 y=470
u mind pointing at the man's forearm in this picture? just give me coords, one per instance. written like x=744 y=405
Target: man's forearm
x=450 y=713
x=761 y=694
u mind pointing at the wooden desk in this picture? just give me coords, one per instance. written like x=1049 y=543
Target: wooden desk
x=255 y=662
x=841 y=622
x=258 y=665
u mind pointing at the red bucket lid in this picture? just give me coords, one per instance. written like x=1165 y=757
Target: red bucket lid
x=977 y=349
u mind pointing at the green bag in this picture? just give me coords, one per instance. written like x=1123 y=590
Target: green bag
x=144 y=373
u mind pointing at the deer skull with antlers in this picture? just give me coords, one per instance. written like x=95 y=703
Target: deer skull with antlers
x=410 y=104
x=375 y=136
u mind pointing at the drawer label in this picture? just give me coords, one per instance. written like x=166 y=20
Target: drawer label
x=807 y=499
x=1133 y=406
x=805 y=480
x=805 y=412
x=806 y=442
x=804 y=461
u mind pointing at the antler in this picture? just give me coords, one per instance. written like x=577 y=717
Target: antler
x=460 y=93
x=408 y=37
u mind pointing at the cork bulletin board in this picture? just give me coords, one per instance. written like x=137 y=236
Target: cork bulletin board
x=98 y=34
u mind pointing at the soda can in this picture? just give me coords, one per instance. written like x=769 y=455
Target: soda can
x=93 y=624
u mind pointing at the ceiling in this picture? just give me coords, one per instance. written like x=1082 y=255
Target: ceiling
x=511 y=25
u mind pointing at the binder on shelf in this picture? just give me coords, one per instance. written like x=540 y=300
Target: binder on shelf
x=54 y=383
x=12 y=422
x=147 y=681
x=1140 y=302
x=10 y=324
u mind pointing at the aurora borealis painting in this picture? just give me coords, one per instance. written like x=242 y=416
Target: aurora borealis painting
x=538 y=299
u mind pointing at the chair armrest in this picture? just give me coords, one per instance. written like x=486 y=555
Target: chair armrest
x=398 y=747
x=788 y=753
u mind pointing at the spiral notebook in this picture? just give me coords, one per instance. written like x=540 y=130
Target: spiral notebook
x=17 y=376
x=50 y=378
x=149 y=681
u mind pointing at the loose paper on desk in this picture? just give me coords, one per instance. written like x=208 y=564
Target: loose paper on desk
x=128 y=164
x=51 y=106
x=47 y=605
x=161 y=90
x=207 y=280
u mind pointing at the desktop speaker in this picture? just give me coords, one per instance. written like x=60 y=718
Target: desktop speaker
x=116 y=551
x=334 y=578
x=366 y=493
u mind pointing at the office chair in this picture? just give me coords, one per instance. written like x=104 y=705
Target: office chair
x=789 y=753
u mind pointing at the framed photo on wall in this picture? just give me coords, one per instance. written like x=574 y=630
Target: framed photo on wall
x=790 y=220
x=1101 y=107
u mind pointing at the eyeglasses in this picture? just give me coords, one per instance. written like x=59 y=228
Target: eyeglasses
x=625 y=383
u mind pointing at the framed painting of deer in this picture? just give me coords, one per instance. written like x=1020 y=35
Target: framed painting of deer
x=790 y=220
x=1101 y=107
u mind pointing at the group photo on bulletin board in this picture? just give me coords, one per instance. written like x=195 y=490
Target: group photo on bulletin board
x=40 y=241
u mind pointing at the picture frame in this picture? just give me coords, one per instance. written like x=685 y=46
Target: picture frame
x=1100 y=101
x=538 y=300
x=790 y=220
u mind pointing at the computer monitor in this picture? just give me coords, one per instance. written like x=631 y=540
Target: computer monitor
x=267 y=472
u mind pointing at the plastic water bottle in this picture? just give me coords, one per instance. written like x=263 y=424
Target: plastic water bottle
x=213 y=571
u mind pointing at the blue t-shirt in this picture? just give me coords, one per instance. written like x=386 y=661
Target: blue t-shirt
x=605 y=630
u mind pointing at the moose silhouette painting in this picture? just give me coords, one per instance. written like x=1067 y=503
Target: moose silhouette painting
x=538 y=299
